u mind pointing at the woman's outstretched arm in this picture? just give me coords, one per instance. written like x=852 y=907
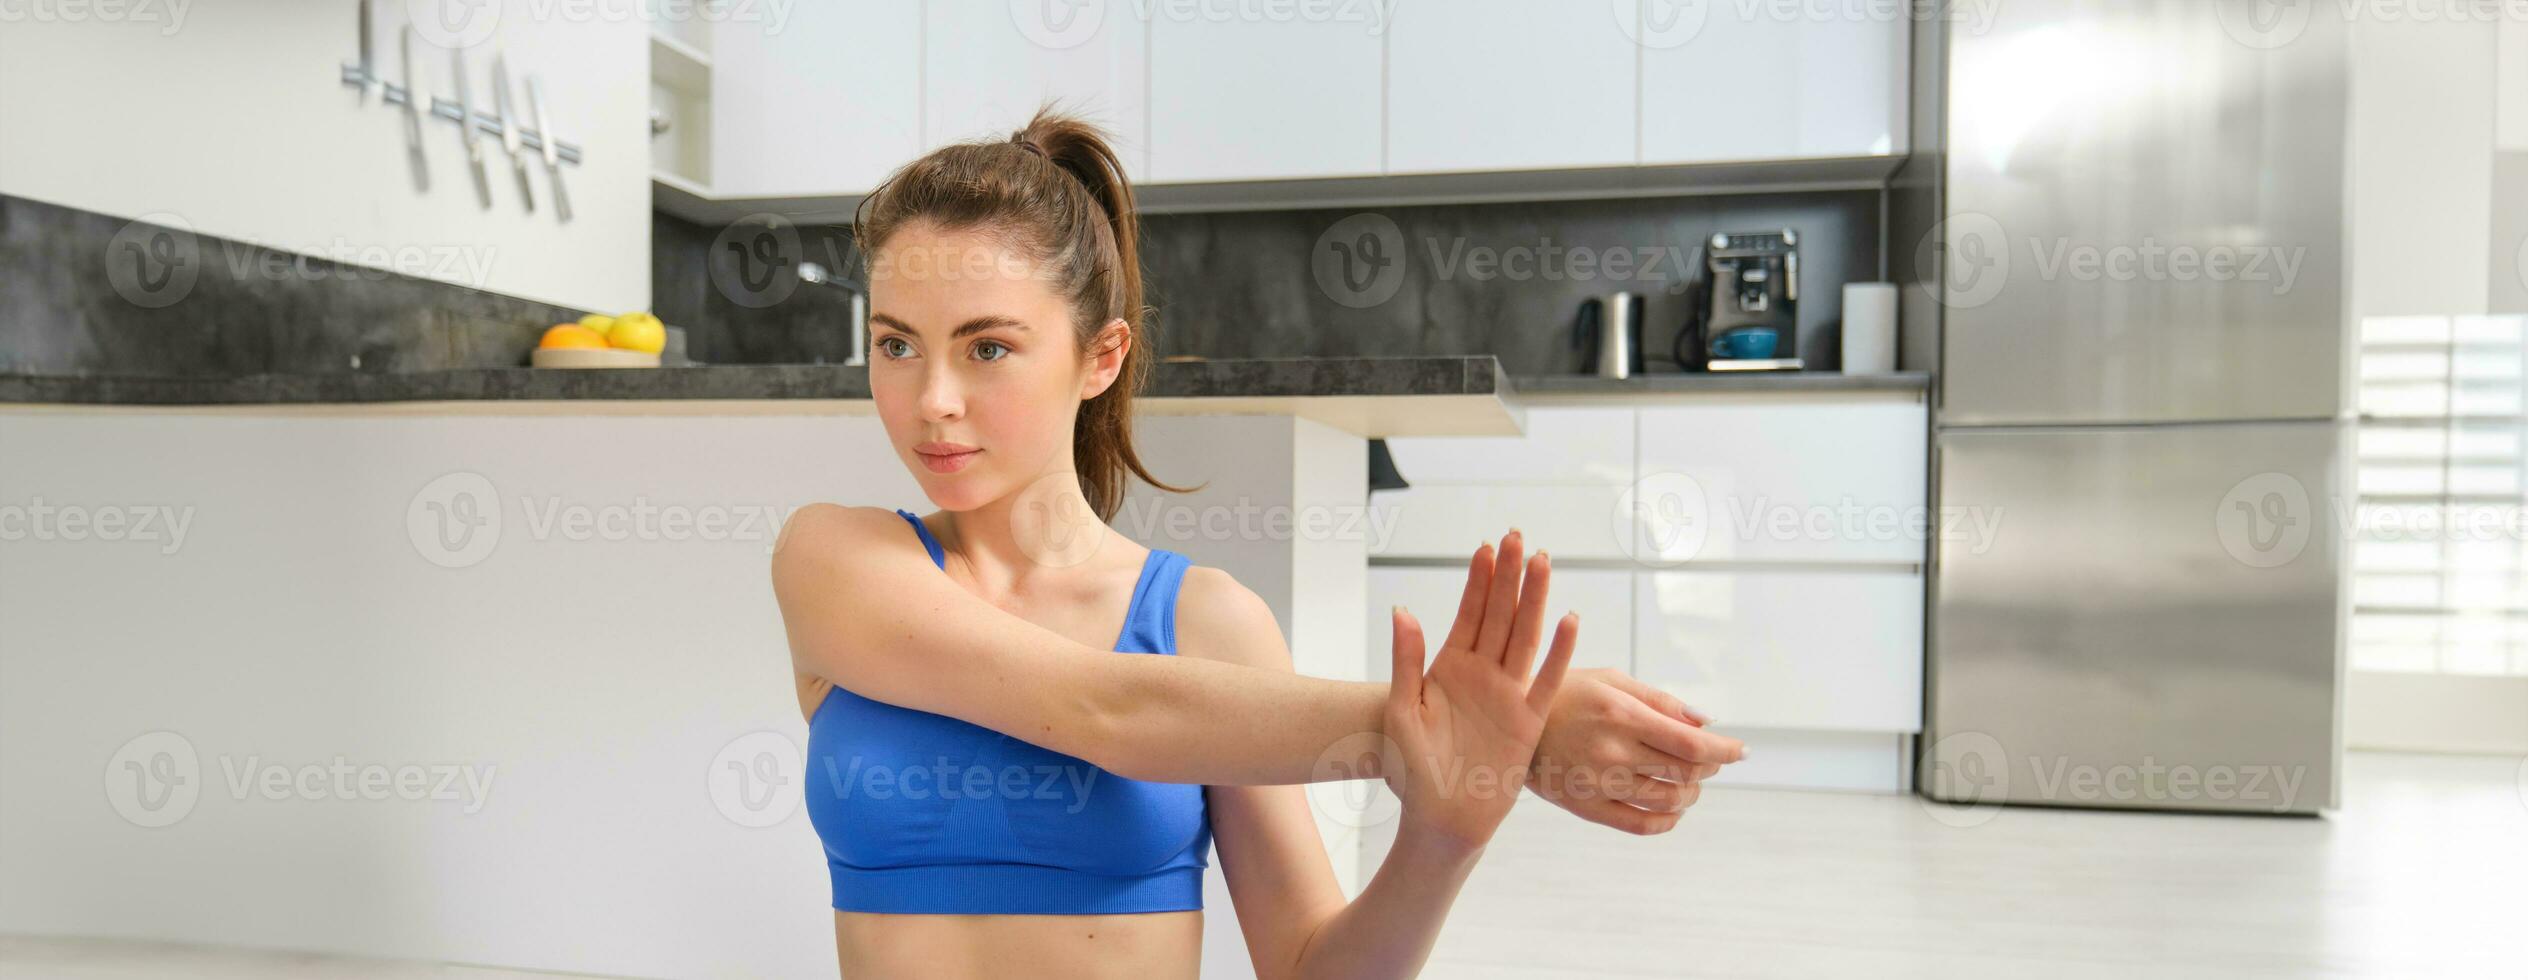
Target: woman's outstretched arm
x=866 y=609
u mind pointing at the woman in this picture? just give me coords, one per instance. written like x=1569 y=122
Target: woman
x=939 y=657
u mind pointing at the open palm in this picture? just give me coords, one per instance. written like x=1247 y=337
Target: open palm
x=1466 y=729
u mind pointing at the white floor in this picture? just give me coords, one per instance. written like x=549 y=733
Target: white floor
x=2424 y=873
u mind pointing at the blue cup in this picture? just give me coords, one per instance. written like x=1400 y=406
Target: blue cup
x=1754 y=344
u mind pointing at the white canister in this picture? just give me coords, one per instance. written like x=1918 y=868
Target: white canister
x=1869 y=328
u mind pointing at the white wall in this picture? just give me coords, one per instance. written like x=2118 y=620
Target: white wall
x=304 y=616
x=233 y=119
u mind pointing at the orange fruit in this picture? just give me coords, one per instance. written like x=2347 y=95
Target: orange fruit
x=571 y=335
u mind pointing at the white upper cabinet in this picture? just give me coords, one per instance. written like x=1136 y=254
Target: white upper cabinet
x=1239 y=97
x=1508 y=85
x=1764 y=81
x=990 y=65
x=830 y=104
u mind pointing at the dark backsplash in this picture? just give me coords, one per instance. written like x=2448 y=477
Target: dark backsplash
x=1499 y=279
x=88 y=294
x=83 y=293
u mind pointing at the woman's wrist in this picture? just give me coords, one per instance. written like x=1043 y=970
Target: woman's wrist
x=1430 y=849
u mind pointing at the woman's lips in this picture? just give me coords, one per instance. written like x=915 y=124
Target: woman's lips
x=948 y=462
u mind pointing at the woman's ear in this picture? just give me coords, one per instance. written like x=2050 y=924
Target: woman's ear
x=1106 y=357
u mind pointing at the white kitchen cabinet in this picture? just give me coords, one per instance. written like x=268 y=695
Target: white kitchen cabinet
x=830 y=104
x=988 y=66
x=1772 y=81
x=1811 y=481
x=1806 y=648
x=1508 y=85
x=1562 y=483
x=1603 y=598
x=1235 y=97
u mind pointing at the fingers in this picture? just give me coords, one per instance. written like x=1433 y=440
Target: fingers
x=1405 y=685
x=1504 y=600
x=1625 y=816
x=1682 y=739
x=1461 y=635
x=1540 y=697
x=1660 y=701
x=1520 y=653
x=1664 y=796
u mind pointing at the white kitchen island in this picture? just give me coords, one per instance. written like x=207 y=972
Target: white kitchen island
x=496 y=677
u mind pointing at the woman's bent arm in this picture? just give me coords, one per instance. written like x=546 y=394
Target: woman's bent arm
x=867 y=609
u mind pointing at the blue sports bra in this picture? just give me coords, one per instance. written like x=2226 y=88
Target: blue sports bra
x=924 y=813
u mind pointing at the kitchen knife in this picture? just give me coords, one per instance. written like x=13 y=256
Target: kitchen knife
x=413 y=146
x=465 y=125
x=509 y=141
x=552 y=148
x=370 y=85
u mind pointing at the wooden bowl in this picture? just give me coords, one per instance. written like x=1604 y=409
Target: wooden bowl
x=591 y=357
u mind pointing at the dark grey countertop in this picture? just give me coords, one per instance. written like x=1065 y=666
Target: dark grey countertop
x=1280 y=377
x=1277 y=377
x=1698 y=383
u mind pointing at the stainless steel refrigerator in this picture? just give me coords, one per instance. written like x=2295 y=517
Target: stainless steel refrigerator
x=2134 y=264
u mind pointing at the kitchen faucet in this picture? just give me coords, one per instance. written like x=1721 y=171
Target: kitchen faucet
x=815 y=274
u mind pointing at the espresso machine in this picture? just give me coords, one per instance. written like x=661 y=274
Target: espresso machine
x=1743 y=310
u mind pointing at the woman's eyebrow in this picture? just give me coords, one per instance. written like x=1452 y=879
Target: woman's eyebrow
x=976 y=325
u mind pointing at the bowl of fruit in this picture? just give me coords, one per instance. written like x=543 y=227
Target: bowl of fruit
x=632 y=340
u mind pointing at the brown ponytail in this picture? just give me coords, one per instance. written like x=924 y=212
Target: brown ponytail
x=1059 y=190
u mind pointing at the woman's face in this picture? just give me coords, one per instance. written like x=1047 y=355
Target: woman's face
x=974 y=364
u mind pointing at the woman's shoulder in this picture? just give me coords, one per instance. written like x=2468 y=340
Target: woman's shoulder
x=820 y=535
x=1219 y=618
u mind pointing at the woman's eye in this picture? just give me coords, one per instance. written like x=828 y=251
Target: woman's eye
x=889 y=351
x=994 y=345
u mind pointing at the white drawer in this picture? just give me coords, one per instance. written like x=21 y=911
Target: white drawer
x=1562 y=445
x=1452 y=520
x=1837 y=650
x=1603 y=598
x=1784 y=481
